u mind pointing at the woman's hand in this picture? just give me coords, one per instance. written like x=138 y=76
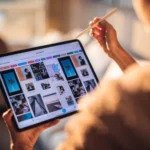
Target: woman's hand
x=106 y=36
x=24 y=140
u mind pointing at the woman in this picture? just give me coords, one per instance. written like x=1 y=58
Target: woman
x=27 y=73
x=118 y=111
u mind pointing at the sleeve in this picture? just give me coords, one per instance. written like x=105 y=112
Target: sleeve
x=114 y=116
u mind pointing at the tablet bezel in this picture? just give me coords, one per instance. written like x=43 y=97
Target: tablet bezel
x=34 y=49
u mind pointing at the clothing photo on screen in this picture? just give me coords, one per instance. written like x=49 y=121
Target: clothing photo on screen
x=52 y=102
x=77 y=88
x=61 y=90
x=19 y=104
x=24 y=73
x=39 y=71
x=69 y=100
x=45 y=85
x=24 y=117
x=79 y=60
x=84 y=72
x=90 y=85
x=37 y=105
x=30 y=87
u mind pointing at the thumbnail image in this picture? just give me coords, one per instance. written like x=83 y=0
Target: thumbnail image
x=52 y=102
x=58 y=77
x=54 y=72
x=61 y=90
x=77 y=88
x=79 y=60
x=19 y=104
x=90 y=85
x=45 y=85
x=54 y=106
x=69 y=100
x=24 y=117
x=39 y=71
x=68 y=68
x=11 y=82
x=84 y=72
x=24 y=73
x=37 y=105
x=30 y=86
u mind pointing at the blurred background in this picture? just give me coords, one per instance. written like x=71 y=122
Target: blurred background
x=28 y=23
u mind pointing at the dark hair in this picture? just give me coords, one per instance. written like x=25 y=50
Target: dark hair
x=26 y=70
x=80 y=57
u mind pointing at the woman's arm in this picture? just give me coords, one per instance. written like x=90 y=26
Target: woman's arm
x=123 y=59
x=106 y=36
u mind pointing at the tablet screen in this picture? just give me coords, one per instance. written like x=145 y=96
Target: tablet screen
x=46 y=82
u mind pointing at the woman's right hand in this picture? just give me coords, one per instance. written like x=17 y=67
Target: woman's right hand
x=106 y=36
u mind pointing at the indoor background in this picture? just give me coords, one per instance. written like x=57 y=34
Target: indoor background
x=28 y=23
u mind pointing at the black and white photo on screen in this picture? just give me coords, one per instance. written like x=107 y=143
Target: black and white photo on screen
x=39 y=71
x=61 y=90
x=52 y=102
x=19 y=104
x=54 y=106
x=37 y=105
x=77 y=88
x=90 y=85
x=84 y=72
x=58 y=77
x=30 y=86
x=45 y=85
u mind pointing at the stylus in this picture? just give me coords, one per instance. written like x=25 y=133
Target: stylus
x=103 y=19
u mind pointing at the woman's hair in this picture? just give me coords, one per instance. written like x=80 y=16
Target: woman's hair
x=25 y=69
x=3 y=46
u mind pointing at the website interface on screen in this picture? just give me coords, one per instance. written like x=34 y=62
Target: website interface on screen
x=46 y=83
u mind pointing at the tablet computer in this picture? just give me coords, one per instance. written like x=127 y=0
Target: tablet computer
x=44 y=83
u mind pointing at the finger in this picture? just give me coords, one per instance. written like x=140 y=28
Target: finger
x=96 y=31
x=90 y=23
x=95 y=20
x=53 y=123
x=99 y=31
x=7 y=116
x=47 y=125
x=91 y=33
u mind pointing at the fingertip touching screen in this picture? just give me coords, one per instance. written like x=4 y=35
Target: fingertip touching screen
x=46 y=82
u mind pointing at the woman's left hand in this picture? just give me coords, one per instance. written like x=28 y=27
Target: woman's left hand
x=24 y=140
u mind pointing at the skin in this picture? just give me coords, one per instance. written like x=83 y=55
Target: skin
x=110 y=105
x=24 y=140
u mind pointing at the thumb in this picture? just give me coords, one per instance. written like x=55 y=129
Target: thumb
x=7 y=117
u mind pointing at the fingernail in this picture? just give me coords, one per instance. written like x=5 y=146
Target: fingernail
x=102 y=22
x=9 y=111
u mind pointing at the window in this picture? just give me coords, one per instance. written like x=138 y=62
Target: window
x=21 y=20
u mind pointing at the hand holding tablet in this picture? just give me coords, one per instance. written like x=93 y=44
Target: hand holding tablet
x=44 y=83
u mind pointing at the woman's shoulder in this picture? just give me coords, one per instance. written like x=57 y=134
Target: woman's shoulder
x=137 y=78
